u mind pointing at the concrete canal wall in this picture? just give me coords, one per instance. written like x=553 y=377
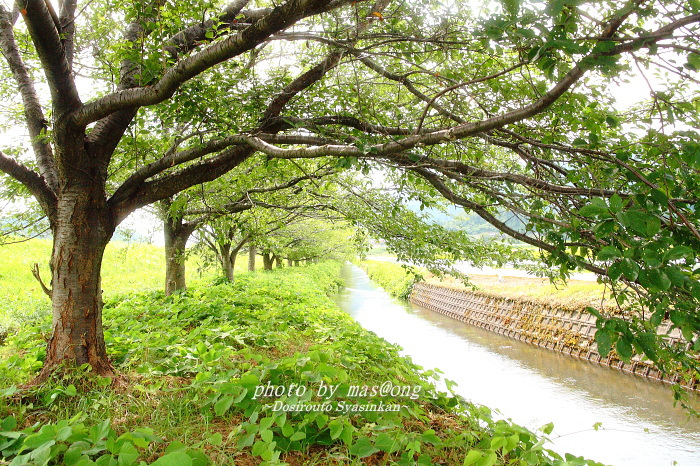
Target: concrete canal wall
x=567 y=331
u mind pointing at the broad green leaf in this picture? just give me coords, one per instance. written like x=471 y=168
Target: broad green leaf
x=127 y=454
x=215 y=439
x=429 y=437
x=336 y=428
x=624 y=348
x=603 y=339
x=223 y=405
x=609 y=252
x=9 y=423
x=363 y=447
x=177 y=458
x=386 y=443
x=472 y=457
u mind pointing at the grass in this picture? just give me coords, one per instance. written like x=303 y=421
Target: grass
x=127 y=268
x=575 y=294
x=192 y=365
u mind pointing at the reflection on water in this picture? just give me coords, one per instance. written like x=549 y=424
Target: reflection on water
x=533 y=386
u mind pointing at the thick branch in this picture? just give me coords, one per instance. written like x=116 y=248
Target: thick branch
x=301 y=83
x=169 y=185
x=136 y=192
x=47 y=41
x=33 y=182
x=279 y=18
x=33 y=113
x=67 y=24
x=189 y=38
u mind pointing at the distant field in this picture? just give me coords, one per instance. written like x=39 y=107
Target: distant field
x=575 y=294
x=127 y=267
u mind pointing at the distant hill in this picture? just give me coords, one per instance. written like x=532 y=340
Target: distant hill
x=455 y=218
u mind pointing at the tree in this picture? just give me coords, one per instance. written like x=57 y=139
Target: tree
x=193 y=209
x=505 y=113
x=261 y=211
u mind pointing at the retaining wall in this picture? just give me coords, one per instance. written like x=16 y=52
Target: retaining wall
x=566 y=331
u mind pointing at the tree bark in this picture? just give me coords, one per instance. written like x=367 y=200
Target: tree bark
x=290 y=263
x=224 y=254
x=252 y=251
x=176 y=235
x=278 y=262
x=228 y=258
x=267 y=260
x=82 y=227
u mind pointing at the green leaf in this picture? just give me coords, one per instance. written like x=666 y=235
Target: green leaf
x=472 y=457
x=249 y=381
x=603 y=339
x=9 y=391
x=608 y=252
x=659 y=279
x=177 y=458
x=429 y=437
x=629 y=268
x=176 y=446
x=659 y=196
x=260 y=448
x=677 y=253
x=615 y=271
x=336 y=428
x=223 y=405
x=615 y=203
x=624 y=348
x=593 y=210
x=127 y=454
x=9 y=423
x=547 y=428
x=490 y=460
x=694 y=61
x=363 y=448
x=677 y=277
x=640 y=222
x=266 y=435
x=386 y=443
x=215 y=439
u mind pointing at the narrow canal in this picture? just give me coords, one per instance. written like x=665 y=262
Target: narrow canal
x=533 y=386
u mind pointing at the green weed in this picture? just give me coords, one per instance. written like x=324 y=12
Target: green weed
x=215 y=375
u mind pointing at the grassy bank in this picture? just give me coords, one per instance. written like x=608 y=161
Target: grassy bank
x=575 y=294
x=127 y=267
x=396 y=280
x=204 y=370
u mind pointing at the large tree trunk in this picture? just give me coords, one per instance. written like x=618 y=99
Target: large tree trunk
x=267 y=260
x=252 y=251
x=82 y=227
x=227 y=262
x=229 y=257
x=176 y=235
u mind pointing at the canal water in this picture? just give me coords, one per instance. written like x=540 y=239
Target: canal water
x=638 y=424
